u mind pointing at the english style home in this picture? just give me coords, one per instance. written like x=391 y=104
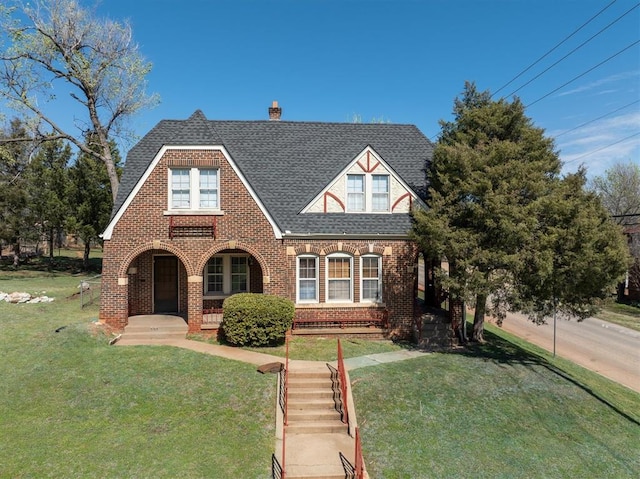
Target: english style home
x=315 y=212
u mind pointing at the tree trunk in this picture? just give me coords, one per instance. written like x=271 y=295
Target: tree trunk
x=51 y=245
x=478 y=318
x=430 y=292
x=620 y=292
x=85 y=259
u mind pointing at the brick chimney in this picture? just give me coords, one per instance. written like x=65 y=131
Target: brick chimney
x=275 y=111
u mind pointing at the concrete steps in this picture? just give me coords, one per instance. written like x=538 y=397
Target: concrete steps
x=156 y=327
x=315 y=434
x=312 y=408
x=436 y=330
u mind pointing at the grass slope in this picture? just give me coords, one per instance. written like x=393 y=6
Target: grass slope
x=499 y=410
x=72 y=406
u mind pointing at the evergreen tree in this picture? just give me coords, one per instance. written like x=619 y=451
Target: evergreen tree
x=15 y=221
x=492 y=180
x=577 y=254
x=47 y=187
x=91 y=199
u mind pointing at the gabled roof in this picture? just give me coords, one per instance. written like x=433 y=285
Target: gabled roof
x=288 y=163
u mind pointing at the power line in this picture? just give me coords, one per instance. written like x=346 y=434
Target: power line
x=575 y=49
x=584 y=73
x=603 y=148
x=596 y=119
x=553 y=49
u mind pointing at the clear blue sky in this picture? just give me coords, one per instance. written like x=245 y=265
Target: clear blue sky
x=403 y=61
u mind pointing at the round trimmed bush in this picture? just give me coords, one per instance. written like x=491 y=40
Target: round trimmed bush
x=252 y=319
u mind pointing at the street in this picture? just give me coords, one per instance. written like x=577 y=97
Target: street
x=606 y=348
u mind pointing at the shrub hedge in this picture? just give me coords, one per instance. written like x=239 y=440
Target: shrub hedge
x=252 y=319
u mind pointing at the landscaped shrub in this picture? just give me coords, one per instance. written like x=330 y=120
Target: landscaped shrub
x=251 y=319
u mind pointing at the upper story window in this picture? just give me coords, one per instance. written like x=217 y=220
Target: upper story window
x=380 y=192
x=355 y=193
x=181 y=188
x=339 y=278
x=208 y=189
x=368 y=193
x=307 y=279
x=194 y=188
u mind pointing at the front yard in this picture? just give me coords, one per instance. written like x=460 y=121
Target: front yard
x=502 y=410
x=72 y=406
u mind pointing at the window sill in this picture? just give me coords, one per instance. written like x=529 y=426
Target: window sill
x=193 y=213
x=386 y=212
x=339 y=305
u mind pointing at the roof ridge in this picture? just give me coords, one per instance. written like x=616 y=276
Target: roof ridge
x=310 y=122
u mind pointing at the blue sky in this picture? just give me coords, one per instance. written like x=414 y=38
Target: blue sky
x=401 y=61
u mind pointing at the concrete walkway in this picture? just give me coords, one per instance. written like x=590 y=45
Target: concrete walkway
x=307 y=455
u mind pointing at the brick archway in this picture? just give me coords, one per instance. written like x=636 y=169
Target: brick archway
x=232 y=245
x=155 y=245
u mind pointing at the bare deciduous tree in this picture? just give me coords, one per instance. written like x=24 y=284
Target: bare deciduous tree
x=57 y=45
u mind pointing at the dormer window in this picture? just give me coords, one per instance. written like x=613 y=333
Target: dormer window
x=355 y=193
x=367 y=193
x=380 y=193
x=194 y=189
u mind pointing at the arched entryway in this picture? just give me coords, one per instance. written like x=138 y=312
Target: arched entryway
x=157 y=284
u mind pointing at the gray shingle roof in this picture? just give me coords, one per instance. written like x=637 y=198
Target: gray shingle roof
x=288 y=163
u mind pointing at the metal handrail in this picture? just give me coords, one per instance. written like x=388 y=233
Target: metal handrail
x=343 y=384
x=337 y=393
x=276 y=469
x=282 y=400
x=286 y=408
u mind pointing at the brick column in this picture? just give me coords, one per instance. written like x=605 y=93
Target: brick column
x=194 y=303
x=114 y=297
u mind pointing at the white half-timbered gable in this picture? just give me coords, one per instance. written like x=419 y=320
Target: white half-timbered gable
x=367 y=185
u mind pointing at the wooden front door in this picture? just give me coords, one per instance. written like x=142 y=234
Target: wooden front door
x=165 y=284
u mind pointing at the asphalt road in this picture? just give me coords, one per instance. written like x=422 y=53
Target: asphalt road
x=606 y=348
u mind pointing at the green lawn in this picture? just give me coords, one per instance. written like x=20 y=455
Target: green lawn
x=326 y=349
x=65 y=260
x=502 y=410
x=72 y=406
x=623 y=314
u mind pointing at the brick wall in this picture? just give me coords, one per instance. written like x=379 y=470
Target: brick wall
x=143 y=231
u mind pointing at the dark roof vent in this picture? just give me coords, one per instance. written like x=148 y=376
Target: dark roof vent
x=275 y=111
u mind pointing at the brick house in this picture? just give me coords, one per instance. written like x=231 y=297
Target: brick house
x=314 y=212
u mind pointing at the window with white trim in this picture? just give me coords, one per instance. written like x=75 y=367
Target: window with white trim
x=371 y=278
x=380 y=192
x=307 y=279
x=355 y=193
x=194 y=188
x=339 y=278
x=226 y=274
x=368 y=193
x=208 y=189
x=180 y=188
